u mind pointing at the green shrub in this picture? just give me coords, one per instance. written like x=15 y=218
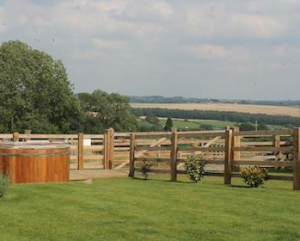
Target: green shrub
x=254 y=176
x=4 y=182
x=145 y=168
x=195 y=168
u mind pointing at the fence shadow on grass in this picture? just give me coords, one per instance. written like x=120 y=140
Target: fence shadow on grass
x=240 y=186
x=162 y=180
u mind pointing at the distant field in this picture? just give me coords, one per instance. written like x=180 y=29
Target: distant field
x=252 y=109
x=193 y=124
x=189 y=124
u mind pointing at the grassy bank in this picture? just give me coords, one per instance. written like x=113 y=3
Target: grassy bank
x=131 y=209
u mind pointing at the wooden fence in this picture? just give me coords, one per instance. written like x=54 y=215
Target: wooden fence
x=229 y=149
x=223 y=151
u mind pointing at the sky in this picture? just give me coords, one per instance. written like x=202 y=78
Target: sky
x=225 y=49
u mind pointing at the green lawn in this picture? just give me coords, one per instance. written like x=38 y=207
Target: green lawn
x=131 y=209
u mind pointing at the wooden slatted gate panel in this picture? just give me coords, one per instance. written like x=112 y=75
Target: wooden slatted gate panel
x=268 y=149
x=141 y=146
x=169 y=151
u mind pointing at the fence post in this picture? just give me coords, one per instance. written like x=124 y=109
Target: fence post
x=174 y=150
x=296 y=168
x=228 y=156
x=105 y=149
x=16 y=137
x=111 y=147
x=80 y=151
x=131 y=155
x=276 y=143
x=109 y=137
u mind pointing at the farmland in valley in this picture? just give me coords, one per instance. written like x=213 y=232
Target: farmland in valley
x=189 y=124
x=194 y=124
x=252 y=109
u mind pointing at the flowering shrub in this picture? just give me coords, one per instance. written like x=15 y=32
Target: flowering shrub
x=254 y=176
x=195 y=168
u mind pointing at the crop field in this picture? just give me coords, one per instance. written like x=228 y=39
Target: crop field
x=252 y=109
x=157 y=209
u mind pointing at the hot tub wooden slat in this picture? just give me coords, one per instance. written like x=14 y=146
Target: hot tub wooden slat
x=28 y=165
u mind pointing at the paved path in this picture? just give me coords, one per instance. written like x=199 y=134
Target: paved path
x=77 y=175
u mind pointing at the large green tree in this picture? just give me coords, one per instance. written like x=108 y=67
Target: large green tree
x=103 y=110
x=35 y=92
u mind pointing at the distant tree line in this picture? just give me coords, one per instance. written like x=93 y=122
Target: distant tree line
x=180 y=99
x=162 y=99
x=217 y=115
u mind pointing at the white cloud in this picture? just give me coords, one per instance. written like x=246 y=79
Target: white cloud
x=159 y=42
x=259 y=26
x=2 y=22
x=163 y=8
x=210 y=52
x=224 y=20
x=108 y=44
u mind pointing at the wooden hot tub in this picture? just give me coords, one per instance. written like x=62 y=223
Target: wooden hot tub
x=35 y=163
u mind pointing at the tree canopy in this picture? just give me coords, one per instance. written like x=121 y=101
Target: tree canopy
x=35 y=91
x=35 y=94
x=107 y=110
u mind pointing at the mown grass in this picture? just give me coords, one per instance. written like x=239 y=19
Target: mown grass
x=157 y=209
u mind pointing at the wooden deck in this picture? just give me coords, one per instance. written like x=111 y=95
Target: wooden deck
x=78 y=175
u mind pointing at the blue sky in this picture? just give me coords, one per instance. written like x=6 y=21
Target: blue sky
x=234 y=49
